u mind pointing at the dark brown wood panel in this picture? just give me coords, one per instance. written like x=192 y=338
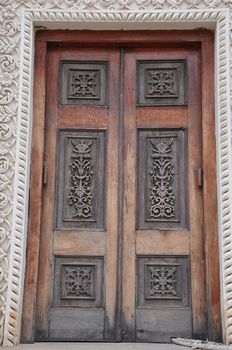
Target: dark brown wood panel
x=81 y=179
x=161 y=83
x=83 y=83
x=162 y=179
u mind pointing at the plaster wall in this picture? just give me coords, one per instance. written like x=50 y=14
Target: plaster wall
x=18 y=22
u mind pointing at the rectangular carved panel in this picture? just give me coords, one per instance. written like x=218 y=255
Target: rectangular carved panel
x=163 y=281
x=83 y=83
x=162 y=179
x=161 y=83
x=78 y=281
x=80 y=179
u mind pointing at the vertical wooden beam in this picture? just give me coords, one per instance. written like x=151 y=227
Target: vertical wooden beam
x=209 y=189
x=33 y=239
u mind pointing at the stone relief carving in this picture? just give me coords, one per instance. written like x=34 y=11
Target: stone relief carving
x=10 y=30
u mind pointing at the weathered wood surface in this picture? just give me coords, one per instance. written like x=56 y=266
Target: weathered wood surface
x=188 y=235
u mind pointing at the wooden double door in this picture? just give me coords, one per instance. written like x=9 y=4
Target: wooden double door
x=122 y=250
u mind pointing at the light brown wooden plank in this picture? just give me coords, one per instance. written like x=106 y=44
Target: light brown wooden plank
x=112 y=200
x=195 y=197
x=162 y=242
x=162 y=117
x=129 y=202
x=86 y=118
x=33 y=239
x=209 y=190
x=79 y=243
x=46 y=240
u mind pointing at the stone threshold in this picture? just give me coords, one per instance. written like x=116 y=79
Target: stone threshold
x=97 y=346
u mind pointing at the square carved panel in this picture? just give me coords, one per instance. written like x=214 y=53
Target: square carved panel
x=162 y=179
x=78 y=281
x=80 y=179
x=163 y=280
x=161 y=83
x=83 y=83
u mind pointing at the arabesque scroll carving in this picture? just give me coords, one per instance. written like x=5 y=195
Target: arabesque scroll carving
x=80 y=193
x=162 y=195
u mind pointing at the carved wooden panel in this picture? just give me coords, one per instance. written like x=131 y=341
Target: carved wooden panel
x=162 y=174
x=163 y=281
x=161 y=83
x=80 y=179
x=78 y=281
x=83 y=83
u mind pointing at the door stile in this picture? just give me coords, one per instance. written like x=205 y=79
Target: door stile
x=35 y=207
x=129 y=205
x=211 y=239
x=46 y=240
x=112 y=201
x=196 y=201
x=120 y=194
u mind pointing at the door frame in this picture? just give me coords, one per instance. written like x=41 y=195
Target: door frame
x=203 y=39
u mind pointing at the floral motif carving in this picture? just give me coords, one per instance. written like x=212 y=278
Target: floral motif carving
x=83 y=84
x=81 y=166
x=79 y=281
x=162 y=280
x=162 y=198
x=160 y=83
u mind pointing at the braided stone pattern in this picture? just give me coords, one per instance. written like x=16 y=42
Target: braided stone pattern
x=17 y=19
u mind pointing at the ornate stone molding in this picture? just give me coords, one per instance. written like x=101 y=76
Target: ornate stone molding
x=17 y=21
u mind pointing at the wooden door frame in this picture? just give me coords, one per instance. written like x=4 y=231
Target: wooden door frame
x=200 y=38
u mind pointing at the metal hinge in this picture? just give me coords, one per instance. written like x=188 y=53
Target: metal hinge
x=200 y=177
x=45 y=173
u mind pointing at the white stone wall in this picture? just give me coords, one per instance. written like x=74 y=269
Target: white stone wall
x=18 y=18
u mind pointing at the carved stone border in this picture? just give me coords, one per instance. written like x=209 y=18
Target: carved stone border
x=56 y=19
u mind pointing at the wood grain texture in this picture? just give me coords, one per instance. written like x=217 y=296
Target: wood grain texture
x=129 y=202
x=195 y=199
x=46 y=239
x=162 y=242
x=211 y=242
x=71 y=240
x=81 y=243
x=112 y=199
x=198 y=239
x=33 y=240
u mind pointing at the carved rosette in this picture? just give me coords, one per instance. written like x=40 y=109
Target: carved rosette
x=79 y=281
x=160 y=83
x=83 y=84
x=162 y=198
x=162 y=280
